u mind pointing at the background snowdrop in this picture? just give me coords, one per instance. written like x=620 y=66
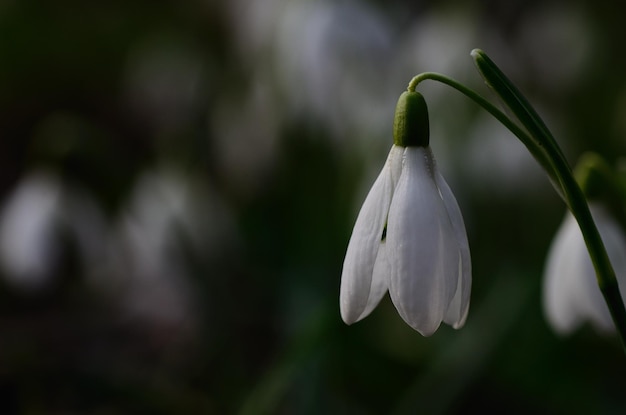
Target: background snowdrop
x=29 y=218
x=37 y=221
x=571 y=293
x=167 y=217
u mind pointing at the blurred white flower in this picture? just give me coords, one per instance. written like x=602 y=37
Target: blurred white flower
x=27 y=241
x=332 y=59
x=329 y=61
x=409 y=238
x=440 y=41
x=571 y=294
x=32 y=223
x=168 y=217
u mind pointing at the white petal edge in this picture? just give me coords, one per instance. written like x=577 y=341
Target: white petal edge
x=380 y=281
x=459 y=308
x=361 y=288
x=421 y=246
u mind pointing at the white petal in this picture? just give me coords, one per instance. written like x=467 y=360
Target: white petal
x=421 y=245
x=380 y=281
x=360 y=291
x=571 y=293
x=457 y=312
x=28 y=249
x=562 y=267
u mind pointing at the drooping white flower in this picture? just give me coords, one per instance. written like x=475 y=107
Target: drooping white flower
x=571 y=294
x=409 y=239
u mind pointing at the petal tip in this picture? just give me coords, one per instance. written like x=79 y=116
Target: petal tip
x=427 y=331
x=348 y=314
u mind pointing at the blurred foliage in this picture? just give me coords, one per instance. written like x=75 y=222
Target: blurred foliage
x=230 y=303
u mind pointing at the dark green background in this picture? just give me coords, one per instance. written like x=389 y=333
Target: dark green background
x=267 y=337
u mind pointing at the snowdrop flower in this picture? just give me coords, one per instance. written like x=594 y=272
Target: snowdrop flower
x=168 y=218
x=571 y=294
x=29 y=250
x=409 y=237
x=34 y=220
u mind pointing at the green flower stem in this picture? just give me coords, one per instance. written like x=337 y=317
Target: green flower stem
x=545 y=150
x=605 y=274
x=573 y=195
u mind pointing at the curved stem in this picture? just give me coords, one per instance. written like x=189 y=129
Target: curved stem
x=514 y=99
x=544 y=148
x=536 y=150
x=577 y=203
x=605 y=274
x=574 y=196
